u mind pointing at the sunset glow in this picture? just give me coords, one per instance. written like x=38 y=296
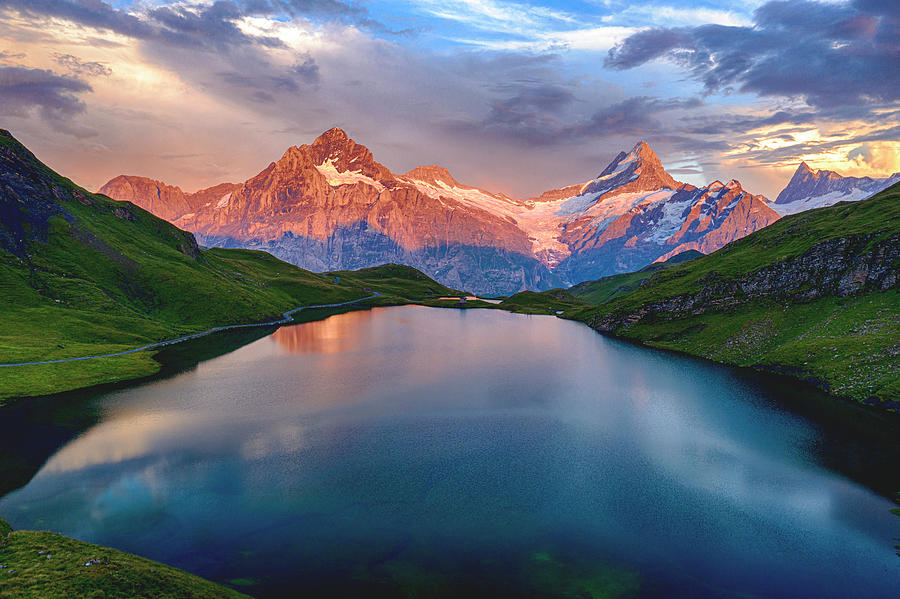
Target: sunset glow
x=527 y=96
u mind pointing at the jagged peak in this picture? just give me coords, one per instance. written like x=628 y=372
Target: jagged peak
x=333 y=135
x=641 y=154
x=643 y=149
x=333 y=149
x=715 y=185
x=804 y=171
x=734 y=183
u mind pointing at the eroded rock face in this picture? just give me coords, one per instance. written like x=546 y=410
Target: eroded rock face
x=836 y=268
x=330 y=205
x=25 y=199
x=165 y=201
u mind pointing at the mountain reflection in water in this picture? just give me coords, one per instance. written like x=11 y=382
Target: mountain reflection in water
x=336 y=334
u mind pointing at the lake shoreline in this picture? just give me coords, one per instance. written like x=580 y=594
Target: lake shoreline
x=892 y=412
x=387 y=443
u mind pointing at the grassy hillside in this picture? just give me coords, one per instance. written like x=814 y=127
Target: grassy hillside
x=394 y=280
x=814 y=295
x=613 y=286
x=543 y=302
x=48 y=566
x=81 y=275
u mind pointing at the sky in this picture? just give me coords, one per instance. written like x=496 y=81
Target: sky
x=513 y=96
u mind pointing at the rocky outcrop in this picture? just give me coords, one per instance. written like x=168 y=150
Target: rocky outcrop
x=26 y=199
x=835 y=268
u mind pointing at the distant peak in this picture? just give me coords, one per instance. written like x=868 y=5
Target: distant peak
x=804 y=168
x=432 y=173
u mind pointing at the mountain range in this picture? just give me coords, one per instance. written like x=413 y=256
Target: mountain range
x=810 y=189
x=331 y=205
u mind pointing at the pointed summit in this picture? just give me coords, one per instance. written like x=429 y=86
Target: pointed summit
x=638 y=170
x=643 y=149
x=335 y=135
x=641 y=155
x=803 y=168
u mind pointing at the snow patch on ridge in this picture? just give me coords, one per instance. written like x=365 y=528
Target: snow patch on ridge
x=470 y=196
x=829 y=199
x=337 y=178
x=223 y=201
x=671 y=221
x=576 y=204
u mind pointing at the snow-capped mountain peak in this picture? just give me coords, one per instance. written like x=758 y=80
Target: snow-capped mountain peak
x=810 y=189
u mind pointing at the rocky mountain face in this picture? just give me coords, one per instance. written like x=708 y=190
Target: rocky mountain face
x=810 y=189
x=330 y=205
x=834 y=268
x=165 y=201
x=27 y=199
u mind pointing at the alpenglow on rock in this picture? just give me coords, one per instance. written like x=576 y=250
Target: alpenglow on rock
x=330 y=205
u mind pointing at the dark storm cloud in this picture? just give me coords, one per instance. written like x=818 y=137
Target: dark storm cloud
x=93 y=13
x=204 y=26
x=54 y=97
x=832 y=55
x=79 y=67
x=22 y=89
x=532 y=115
x=306 y=72
x=632 y=116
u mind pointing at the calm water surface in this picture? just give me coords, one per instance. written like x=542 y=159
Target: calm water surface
x=424 y=452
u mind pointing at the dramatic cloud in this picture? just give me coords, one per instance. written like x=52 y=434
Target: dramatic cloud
x=831 y=55
x=534 y=115
x=882 y=157
x=54 y=97
x=192 y=24
x=23 y=89
x=511 y=95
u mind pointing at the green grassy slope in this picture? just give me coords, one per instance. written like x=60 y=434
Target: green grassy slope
x=395 y=280
x=48 y=566
x=543 y=302
x=813 y=295
x=81 y=274
x=613 y=286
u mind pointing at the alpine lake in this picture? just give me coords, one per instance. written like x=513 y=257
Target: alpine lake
x=424 y=452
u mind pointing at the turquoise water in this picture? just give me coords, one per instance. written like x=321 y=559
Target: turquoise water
x=424 y=452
